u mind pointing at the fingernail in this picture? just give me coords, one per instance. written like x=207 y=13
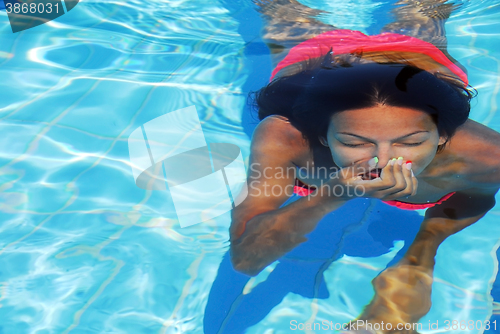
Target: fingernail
x=373 y=162
x=408 y=166
x=412 y=175
x=392 y=161
x=408 y=162
x=400 y=161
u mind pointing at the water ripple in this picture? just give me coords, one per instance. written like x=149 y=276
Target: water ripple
x=82 y=249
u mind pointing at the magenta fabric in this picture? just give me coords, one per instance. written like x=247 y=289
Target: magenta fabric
x=411 y=206
x=344 y=41
x=301 y=191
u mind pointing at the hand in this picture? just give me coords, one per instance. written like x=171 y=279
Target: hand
x=363 y=179
x=396 y=180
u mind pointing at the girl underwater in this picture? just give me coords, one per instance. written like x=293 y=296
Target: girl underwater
x=386 y=115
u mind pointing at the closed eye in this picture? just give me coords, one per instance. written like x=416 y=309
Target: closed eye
x=405 y=144
x=352 y=145
x=413 y=144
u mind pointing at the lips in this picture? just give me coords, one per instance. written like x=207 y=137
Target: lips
x=373 y=174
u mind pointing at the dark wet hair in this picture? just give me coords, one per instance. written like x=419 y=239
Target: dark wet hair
x=327 y=86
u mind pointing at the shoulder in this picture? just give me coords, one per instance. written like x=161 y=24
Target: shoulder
x=276 y=135
x=280 y=125
x=478 y=147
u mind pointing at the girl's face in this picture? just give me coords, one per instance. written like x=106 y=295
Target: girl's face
x=385 y=132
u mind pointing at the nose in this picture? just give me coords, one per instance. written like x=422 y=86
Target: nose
x=384 y=153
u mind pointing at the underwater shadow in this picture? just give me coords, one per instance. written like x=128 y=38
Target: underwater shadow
x=361 y=228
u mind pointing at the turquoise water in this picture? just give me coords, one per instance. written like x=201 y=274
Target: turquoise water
x=84 y=250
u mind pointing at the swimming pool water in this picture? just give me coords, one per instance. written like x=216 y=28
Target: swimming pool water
x=84 y=250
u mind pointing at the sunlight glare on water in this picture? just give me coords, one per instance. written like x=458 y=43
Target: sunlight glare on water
x=84 y=250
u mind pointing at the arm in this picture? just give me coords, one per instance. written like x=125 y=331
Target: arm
x=261 y=231
x=403 y=292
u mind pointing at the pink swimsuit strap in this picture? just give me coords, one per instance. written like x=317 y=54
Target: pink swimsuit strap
x=345 y=41
x=302 y=189
x=412 y=206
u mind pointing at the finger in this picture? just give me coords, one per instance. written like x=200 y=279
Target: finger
x=409 y=180
x=415 y=183
x=411 y=183
x=393 y=180
x=359 y=168
x=387 y=176
x=402 y=173
x=380 y=186
x=408 y=175
x=404 y=182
